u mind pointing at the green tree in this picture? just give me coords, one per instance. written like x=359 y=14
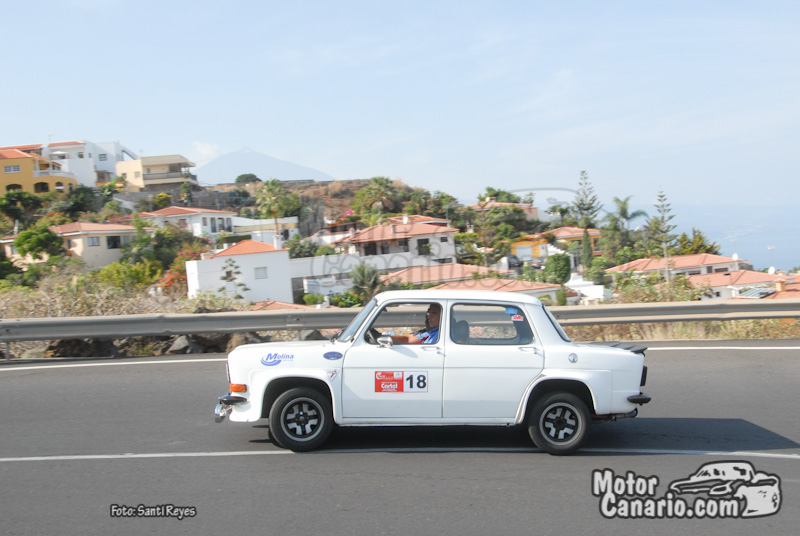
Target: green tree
x=39 y=242
x=325 y=249
x=271 y=200
x=245 y=178
x=21 y=206
x=142 y=247
x=658 y=229
x=162 y=200
x=186 y=193
x=500 y=196
x=586 y=204
x=128 y=276
x=562 y=211
x=698 y=243
x=81 y=199
x=366 y=282
x=300 y=248
x=558 y=268
x=379 y=195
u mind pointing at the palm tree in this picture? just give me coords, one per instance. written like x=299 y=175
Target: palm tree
x=622 y=217
x=271 y=200
x=366 y=282
x=380 y=190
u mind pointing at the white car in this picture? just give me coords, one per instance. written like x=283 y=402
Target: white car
x=498 y=358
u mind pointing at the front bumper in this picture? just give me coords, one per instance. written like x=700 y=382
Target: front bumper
x=225 y=406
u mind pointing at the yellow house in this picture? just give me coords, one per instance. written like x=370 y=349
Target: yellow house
x=32 y=173
x=155 y=171
x=533 y=246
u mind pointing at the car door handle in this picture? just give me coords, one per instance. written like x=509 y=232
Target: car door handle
x=531 y=349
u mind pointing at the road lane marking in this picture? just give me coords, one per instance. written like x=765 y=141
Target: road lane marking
x=673 y=348
x=77 y=365
x=422 y=450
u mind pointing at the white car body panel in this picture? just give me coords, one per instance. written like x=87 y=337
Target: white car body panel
x=463 y=383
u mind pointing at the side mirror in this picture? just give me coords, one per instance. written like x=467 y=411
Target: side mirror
x=385 y=342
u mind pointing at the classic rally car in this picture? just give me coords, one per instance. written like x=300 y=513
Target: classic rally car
x=428 y=357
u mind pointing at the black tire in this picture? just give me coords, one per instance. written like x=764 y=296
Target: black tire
x=301 y=419
x=559 y=423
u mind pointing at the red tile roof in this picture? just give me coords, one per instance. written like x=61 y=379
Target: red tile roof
x=246 y=247
x=490 y=283
x=790 y=292
x=395 y=231
x=30 y=147
x=737 y=278
x=89 y=227
x=418 y=275
x=676 y=262
x=416 y=218
x=181 y=211
x=564 y=232
x=14 y=153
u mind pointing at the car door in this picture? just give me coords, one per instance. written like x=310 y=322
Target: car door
x=398 y=382
x=492 y=357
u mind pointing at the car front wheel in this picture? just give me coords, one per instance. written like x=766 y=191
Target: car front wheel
x=301 y=419
x=559 y=423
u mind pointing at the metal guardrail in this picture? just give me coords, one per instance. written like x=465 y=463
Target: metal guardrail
x=116 y=327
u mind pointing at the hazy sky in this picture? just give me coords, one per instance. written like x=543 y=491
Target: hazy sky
x=700 y=99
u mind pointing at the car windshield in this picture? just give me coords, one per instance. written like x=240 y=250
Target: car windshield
x=350 y=331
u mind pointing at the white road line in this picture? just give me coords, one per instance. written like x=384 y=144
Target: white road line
x=423 y=450
x=673 y=348
x=76 y=365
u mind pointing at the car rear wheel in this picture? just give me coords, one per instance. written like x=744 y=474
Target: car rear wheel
x=301 y=419
x=559 y=423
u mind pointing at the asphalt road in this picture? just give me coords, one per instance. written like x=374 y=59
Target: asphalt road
x=79 y=437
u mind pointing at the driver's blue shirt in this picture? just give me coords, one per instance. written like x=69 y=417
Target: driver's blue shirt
x=430 y=336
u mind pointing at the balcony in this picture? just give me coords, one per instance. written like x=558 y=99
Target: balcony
x=151 y=177
x=54 y=173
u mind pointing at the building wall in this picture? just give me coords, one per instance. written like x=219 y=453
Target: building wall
x=129 y=169
x=26 y=178
x=205 y=276
x=97 y=256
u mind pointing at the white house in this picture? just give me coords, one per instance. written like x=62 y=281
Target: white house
x=86 y=161
x=207 y=222
x=433 y=241
x=700 y=263
x=263 y=272
x=732 y=284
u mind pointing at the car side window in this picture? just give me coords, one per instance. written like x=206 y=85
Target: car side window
x=406 y=323
x=489 y=324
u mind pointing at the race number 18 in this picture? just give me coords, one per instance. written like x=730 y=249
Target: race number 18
x=416 y=381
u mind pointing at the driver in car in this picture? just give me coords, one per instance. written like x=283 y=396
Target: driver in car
x=428 y=335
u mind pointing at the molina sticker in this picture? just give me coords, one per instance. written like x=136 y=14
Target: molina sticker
x=270 y=360
x=720 y=490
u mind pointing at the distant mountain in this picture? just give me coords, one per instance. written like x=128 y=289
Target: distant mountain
x=227 y=167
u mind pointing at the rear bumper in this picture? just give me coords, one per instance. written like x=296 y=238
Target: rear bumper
x=225 y=406
x=640 y=399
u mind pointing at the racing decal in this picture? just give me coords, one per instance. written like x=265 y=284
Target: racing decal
x=332 y=373
x=270 y=360
x=517 y=318
x=396 y=381
x=333 y=356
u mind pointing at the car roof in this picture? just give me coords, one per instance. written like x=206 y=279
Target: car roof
x=470 y=295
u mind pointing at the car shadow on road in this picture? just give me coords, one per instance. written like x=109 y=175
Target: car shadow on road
x=649 y=435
